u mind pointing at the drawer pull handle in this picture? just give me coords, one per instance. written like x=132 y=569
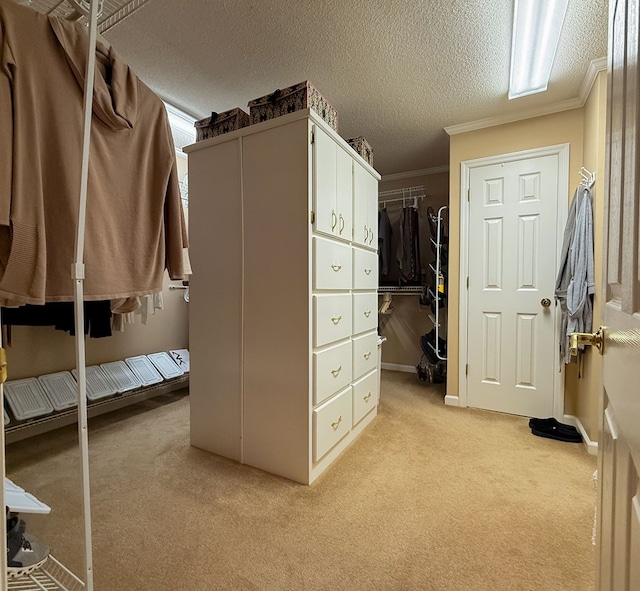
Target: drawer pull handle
x=367 y=313
x=336 y=319
x=337 y=423
x=335 y=267
x=367 y=271
x=341 y=224
x=366 y=398
x=334 y=220
x=335 y=372
x=367 y=355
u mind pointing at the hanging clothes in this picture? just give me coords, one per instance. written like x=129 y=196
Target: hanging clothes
x=575 y=284
x=384 y=241
x=408 y=250
x=61 y=315
x=135 y=226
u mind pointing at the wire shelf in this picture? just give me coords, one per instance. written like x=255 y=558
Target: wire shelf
x=52 y=575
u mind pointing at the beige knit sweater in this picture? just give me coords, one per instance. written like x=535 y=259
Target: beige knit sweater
x=135 y=225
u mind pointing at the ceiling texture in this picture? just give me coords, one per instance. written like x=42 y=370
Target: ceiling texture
x=398 y=72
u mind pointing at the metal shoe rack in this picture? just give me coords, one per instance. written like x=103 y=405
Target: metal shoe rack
x=51 y=575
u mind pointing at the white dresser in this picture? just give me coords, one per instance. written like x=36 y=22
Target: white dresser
x=283 y=299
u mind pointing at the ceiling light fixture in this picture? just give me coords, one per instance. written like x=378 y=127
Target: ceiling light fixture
x=536 y=31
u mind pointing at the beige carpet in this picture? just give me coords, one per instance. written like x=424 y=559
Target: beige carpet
x=428 y=498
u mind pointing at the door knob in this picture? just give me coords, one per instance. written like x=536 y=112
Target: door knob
x=546 y=302
x=595 y=339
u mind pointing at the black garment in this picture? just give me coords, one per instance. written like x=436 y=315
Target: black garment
x=384 y=241
x=408 y=253
x=97 y=317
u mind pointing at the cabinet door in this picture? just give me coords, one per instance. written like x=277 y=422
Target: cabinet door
x=324 y=183
x=332 y=187
x=365 y=207
x=344 y=193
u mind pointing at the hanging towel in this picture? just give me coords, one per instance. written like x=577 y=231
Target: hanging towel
x=575 y=284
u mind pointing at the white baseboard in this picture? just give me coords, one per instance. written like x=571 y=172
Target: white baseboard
x=452 y=400
x=398 y=367
x=592 y=446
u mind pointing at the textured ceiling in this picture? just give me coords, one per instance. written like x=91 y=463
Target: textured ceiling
x=398 y=72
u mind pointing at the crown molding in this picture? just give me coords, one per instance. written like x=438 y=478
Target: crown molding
x=414 y=173
x=595 y=67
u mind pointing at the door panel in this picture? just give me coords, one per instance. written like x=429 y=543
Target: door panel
x=618 y=558
x=512 y=357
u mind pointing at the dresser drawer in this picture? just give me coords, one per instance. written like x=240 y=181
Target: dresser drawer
x=365 y=354
x=331 y=422
x=332 y=264
x=365 y=396
x=365 y=312
x=365 y=269
x=332 y=371
x=331 y=318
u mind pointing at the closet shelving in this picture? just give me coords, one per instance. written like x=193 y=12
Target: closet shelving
x=17 y=431
x=409 y=196
x=99 y=16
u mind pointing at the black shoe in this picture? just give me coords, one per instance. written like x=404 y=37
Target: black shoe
x=551 y=424
x=558 y=434
x=24 y=552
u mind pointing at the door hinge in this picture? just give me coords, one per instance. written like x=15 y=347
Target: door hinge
x=313 y=136
x=466 y=370
x=467 y=282
x=313 y=217
x=469 y=194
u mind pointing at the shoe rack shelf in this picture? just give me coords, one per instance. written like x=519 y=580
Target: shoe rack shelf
x=22 y=430
x=52 y=575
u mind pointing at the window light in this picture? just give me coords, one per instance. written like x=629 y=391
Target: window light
x=536 y=31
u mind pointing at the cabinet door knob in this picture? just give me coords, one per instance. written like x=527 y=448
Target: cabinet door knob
x=337 y=423
x=366 y=398
x=336 y=267
x=366 y=234
x=367 y=355
x=341 y=224
x=371 y=236
x=367 y=313
x=367 y=271
x=334 y=220
x=336 y=319
x=335 y=372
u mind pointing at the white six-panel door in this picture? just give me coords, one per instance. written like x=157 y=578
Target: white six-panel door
x=512 y=260
x=618 y=556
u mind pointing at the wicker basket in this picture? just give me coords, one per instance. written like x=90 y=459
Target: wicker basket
x=220 y=123
x=362 y=147
x=288 y=100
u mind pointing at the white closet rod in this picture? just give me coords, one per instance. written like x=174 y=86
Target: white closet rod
x=77 y=273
